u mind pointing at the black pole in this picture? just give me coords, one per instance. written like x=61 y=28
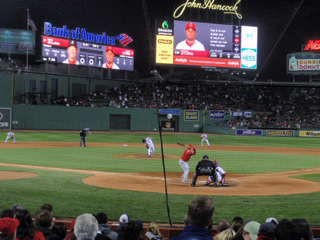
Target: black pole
x=164 y=172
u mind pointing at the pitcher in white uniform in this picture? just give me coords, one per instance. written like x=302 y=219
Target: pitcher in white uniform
x=150 y=146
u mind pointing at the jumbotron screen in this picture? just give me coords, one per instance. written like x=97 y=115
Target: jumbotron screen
x=61 y=50
x=207 y=45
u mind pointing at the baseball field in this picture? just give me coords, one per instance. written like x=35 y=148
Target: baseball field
x=267 y=176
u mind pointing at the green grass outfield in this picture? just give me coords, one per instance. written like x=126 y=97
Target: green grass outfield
x=71 y=197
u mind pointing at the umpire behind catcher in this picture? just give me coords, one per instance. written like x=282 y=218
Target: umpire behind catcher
x=204 y=168
x=83 y=138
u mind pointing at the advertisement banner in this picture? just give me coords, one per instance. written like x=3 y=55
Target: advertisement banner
x=249 y=132
x=174 y=112
x=164 y=49
x=279 y=133
x=191 y=115
x=303 y=63
x=5 y=118
x=217 y=114
x=309 y=134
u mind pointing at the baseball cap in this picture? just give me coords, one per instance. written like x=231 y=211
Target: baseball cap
x=124 y=218
x=252 y=228
x=272 y=220
x=192 y=26
x=109 y=48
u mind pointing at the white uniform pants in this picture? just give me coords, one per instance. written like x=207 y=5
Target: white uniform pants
x=151 y=150
x=8 y=138
x=186 y=169
x=204 y=140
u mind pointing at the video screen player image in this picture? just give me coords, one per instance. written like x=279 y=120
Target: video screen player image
x=72 y=52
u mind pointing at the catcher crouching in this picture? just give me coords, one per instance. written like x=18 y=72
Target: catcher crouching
x=205 y=167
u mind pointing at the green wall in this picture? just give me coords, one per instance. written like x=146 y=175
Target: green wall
x=75 y=118
x=5 y=89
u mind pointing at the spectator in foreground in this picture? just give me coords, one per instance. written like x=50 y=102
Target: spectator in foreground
x=104 y=229
x=133 y=231
x=8 y=228
x=287 y=230
x=86 y=227
x=153 y=232
x=304 y=229
x=237 y=223
x=200 y=214
x=267 y=231
x=250 y=230
x=227 y=234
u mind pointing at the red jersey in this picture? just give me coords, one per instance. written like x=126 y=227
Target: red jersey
x=188 y=153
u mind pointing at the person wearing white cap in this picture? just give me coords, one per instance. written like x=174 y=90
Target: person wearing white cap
x=251 y=230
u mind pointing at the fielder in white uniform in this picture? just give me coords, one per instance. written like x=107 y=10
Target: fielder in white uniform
x=10 y=135
x=150 y=146
x=191 y=43
x=204 y=139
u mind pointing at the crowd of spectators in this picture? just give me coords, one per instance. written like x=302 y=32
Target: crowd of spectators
x=17 y=223
x=273 y=107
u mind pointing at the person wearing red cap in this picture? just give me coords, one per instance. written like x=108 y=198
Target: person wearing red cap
x=110 y=64
x=72 y=52
x=191 y=42
x=184 y=162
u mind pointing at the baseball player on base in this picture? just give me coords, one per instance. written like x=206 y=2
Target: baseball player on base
x=10 y=135
x=150 y=146
x=204 y=139
x=184 y=162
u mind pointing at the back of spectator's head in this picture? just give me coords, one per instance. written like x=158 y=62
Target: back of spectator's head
x=223 y=225
x=227 y=234
x=237 y=223
x=200 y=212
x=133 y=231
x=47 y=207
x=101 y=217
x=287 y=230
x=250 y=230
x=267 y=230
x=44 y=219
x=304 y=229
x=86 y=227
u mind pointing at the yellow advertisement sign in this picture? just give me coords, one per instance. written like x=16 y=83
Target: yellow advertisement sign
x=191 y=115
x=309 y=134
x=164 y=49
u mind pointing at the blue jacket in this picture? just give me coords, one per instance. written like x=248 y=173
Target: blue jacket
x=194 y=233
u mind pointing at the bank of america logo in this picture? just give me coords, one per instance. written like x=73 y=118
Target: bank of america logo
x=125 y=39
